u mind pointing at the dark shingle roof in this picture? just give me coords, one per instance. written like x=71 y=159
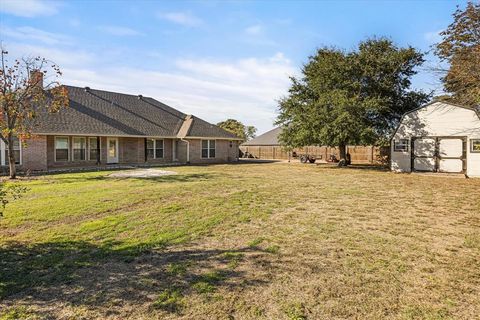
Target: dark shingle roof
x=201 y=128
x=269 y=138
x=98 y=112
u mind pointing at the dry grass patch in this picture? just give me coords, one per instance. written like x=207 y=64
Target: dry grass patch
x=271 y=241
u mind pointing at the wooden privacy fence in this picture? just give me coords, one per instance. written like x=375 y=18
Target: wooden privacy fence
x=358 y=154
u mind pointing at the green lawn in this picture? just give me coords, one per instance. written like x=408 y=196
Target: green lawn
x=250 y=241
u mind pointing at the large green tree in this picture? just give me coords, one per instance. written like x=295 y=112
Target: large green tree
x=460 y=48
x=354 y=97
x=239 y=129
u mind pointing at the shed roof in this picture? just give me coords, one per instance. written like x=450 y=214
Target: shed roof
x=474 y=109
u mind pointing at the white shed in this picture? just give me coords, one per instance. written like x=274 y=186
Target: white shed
x=438 y=137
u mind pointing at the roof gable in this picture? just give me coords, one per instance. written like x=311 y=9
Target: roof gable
x=201 y=128
x=269 y=138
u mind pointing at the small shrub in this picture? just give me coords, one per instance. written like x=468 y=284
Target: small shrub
x=9 y=193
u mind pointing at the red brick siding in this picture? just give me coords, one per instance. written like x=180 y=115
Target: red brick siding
x=39 y=153
x=130 y=151
x=225 y=151
x=34 y=153
x=167 y=153
x=65 y=164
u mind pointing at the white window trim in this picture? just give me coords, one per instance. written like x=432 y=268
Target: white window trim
x=55 y=148
x=3 y=148
x=73 y=148
x=471 y=145
x=155 y=148
x=402 y=150
x=89 y=148
x=208 y=148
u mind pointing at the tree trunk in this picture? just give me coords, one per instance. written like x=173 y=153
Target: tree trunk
x=343 y=154
x=11 y=158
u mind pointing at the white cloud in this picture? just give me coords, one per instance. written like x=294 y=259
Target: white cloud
x=254 y=30
x=29 y=33
x=245 y=89
x=256 y=35
x=61 y=57
x=119 y=31
x=29 y=8
x=433 y=36
x=183 y=18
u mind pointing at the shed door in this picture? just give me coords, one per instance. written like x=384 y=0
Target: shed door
x=451 y=154
x=424 y=154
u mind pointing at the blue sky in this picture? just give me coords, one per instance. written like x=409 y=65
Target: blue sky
x=214 y=59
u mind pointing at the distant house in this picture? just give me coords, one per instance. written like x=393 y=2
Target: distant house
x=438 y=137
x=102 y=128
x=267 y=146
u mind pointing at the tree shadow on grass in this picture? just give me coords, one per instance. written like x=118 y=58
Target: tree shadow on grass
x=365 y=167
x=181 y=177
x=83 y=274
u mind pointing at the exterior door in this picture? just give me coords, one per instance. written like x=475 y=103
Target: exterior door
x=439 y=154
x=424 y=154
x=112 y=150
x=451 y=155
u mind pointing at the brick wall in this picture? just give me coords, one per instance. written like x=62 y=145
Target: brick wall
x=51 y=163
x=39 y=154
x=34 y=153
x=167 y=153
x=130 y=151
x=225 y=151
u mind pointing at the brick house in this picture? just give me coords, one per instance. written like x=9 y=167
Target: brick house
x=102 y=129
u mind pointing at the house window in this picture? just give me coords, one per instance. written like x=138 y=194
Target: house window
x=92 y=148
x=16 y=151
x=79 y=148
x=151 y=149
x=475 y=145
x=154 y=149
x=400 y=145
x=61 y=149
x=208 y=148
x=158 y=149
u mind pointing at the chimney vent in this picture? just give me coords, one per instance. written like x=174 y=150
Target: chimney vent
x=87 y=89
x=140 y=97
x=36 y=78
